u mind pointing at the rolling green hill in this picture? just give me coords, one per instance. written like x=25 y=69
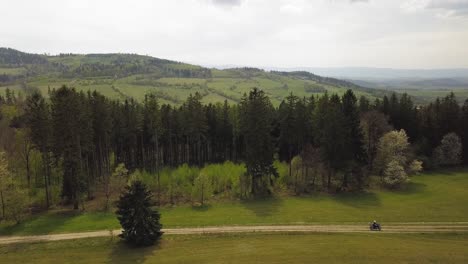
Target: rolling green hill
x=123 y=76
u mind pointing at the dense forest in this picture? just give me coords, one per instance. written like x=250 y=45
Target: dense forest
x=75 y=146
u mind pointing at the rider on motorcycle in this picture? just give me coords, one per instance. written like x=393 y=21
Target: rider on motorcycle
x=375 y=224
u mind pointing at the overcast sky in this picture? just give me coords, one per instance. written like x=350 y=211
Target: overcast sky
x=276 y=33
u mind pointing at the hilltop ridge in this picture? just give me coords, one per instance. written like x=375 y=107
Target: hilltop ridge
x=120 y=75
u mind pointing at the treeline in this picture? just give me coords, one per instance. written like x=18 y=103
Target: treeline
x=15 y=58
x=94 y=65
x=332 y=142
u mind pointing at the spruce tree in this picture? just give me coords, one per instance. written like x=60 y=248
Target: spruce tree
x=255 y=122
x=330 y=126
x=140 y=223
x=464 y=130
x=354 y=139
x=39 y=121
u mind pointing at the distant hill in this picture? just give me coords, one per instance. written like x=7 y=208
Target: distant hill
x=423 y=85
x=366 y=73
x=132 y=76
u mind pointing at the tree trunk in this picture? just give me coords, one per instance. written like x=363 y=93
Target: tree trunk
x=290 y=162
x=46 y=178
x=313 y=179
x=254 y=185
x=28 y=169
x=3 y=204
x=159 y=188
x=202 y=193
x=107 y=192
x=77 y=192
x=157 y=168
x=345 y=180
x=295 y=182
x=76 y=204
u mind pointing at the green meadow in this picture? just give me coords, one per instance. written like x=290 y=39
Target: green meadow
x=252 y=248
x=429 y=197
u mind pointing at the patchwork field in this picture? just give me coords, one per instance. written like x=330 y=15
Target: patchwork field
x=122 y=76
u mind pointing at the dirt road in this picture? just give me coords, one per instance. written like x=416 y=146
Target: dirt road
x=394 y=228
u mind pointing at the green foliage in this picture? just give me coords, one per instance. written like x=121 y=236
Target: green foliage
x=139 y=222
x=181 y=181
x=6 y=181
x=72 y=141
x=115 y=182
x=393 y=159
x=298 y=174
x=415 y=167
x=435 y=197
x=17 y=202
x=374 y=125
x=202 y=188
x=13 y=200
x=394 y=174
x=449 y=152
x=393 y=146
x=256 y=118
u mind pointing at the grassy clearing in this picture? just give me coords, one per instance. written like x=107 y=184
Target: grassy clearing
x=252 y=248
x=431 y=197
x=12 y=71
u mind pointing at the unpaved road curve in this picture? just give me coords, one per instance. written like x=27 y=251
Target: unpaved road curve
x=395 y=228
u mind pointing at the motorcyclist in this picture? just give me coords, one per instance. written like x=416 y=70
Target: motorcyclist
x=375 y=225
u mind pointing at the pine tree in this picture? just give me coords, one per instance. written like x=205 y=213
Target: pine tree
x=354 y=140
x=139 y=222
x=255 y=122
x=39 y=122
x=288 y=137
x=464 y=130
x=71 y=138
x=330 y=127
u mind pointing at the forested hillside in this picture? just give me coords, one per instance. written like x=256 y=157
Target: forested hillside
x=65 y=146
x=76 y=146
x=124 y=76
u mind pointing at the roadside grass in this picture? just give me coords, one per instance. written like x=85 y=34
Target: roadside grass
x=251 y=248
x=430 y=197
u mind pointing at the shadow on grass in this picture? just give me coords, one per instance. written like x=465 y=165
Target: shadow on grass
x=446 y=171
x=263 y=207
x=358 y=199
x=40 y=224
x=125 y=253
x=201 y=208
x=411 y=188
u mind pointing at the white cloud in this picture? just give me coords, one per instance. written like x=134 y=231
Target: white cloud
x=443 y=8
x=284 y=33
x=290 y=9
x=227 y=2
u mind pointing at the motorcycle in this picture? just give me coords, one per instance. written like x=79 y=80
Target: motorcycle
x=375 y=227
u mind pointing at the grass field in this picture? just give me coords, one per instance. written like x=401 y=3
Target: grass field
x=252 y=248
x=430 y=197
x=428 y=95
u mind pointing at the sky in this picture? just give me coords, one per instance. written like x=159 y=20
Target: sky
x=258 y=33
